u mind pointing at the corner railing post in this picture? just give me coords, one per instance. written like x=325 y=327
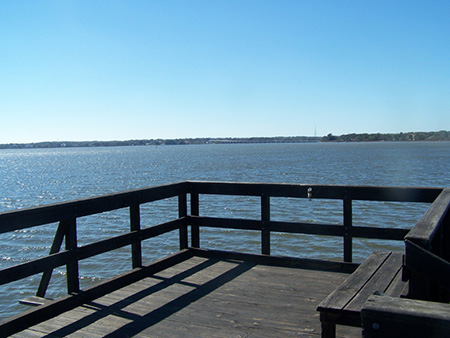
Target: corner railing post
x=265 y=220
x=195 y=211
x=348 y=223
x=73 y=284
x=135 y=225
x=182 y=212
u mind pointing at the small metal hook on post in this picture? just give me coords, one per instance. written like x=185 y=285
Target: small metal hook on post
x=309 y=193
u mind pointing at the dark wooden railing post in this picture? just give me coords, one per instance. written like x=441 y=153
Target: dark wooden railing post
x=195 y=211
x=73 y=284
x=56 y=247
x=135 y=225
x=348 y=223
x=182 y=212
x=265 y=219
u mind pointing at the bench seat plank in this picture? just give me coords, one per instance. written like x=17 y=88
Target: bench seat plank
x=398 y=287
x=340 y=297
x=381 y=272
x=380 y=281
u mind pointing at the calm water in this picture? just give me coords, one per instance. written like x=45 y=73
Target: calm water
x=42 y=176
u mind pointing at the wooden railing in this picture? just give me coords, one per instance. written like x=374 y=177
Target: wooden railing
x=68 y=213
x=265 y=225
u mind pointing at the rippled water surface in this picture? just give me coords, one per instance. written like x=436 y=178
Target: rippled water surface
x=32 y=177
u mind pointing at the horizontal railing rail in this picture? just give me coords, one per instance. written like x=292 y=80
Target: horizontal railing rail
x=27 y=218
x=298 y=227
x=66 y=215
x=367 y=193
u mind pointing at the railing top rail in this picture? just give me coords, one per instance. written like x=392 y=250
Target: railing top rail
x=25 y=218
x=426 y=228
x=371 y=193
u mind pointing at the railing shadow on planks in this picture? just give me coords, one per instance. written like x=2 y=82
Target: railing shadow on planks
x=188 y=193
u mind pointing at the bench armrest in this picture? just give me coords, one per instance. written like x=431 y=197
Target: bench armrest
x=384 y=316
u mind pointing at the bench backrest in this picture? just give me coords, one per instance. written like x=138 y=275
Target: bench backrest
x=427 y=253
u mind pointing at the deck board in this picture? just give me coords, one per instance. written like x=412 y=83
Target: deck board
x=204 y=297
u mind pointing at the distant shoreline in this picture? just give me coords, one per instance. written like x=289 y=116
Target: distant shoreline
x=376 y=137
x=158 y=142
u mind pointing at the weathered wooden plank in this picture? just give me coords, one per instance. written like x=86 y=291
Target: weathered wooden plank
x=424 y=231
x=398 y=286
x=261 y=274
x=25 y=218
x=248 y=189
x=195 y=211
x=265 y=220
x=393 y=194
x=56 y=246
x=379 y=233
x=33 y=267
x=22 y=321
x=120 y=241
x=380 y=271
x=307 y=228
x=73 y=283
x=298 y=227
x=182 y=212
x=386 y=317
x=348 y=225
x=193 y=264
x=423 y=262
x=379 y=282
x=340 y=297
x=222 y=313
x=135 y=226
x=76 y=323
x=226 y=300
x=35 y=301
x=109 y=244
x=33 y=334
x=257 y=287
x=303 y=263
x=274 y=226
x=163 y=228
x=400 y=194
x=229 y=223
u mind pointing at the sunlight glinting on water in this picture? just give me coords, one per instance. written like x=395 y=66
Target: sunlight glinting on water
x=32 y=177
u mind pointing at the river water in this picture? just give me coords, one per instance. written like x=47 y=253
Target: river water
x=31 y=177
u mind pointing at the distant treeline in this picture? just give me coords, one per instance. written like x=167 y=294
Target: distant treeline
x=157 y=142
x=442 y=135
x=411 y=136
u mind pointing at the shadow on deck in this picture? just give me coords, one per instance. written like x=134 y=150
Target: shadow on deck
x=205 y=296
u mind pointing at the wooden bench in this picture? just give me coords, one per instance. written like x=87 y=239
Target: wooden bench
x=381 y=272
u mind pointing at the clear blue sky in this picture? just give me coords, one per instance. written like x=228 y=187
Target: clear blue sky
x=118 y=70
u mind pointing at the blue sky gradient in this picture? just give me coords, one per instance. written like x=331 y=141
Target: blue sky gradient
x=119 y=70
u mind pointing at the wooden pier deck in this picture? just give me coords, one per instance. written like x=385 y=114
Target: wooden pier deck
x=201 y=292
x=205 y=297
